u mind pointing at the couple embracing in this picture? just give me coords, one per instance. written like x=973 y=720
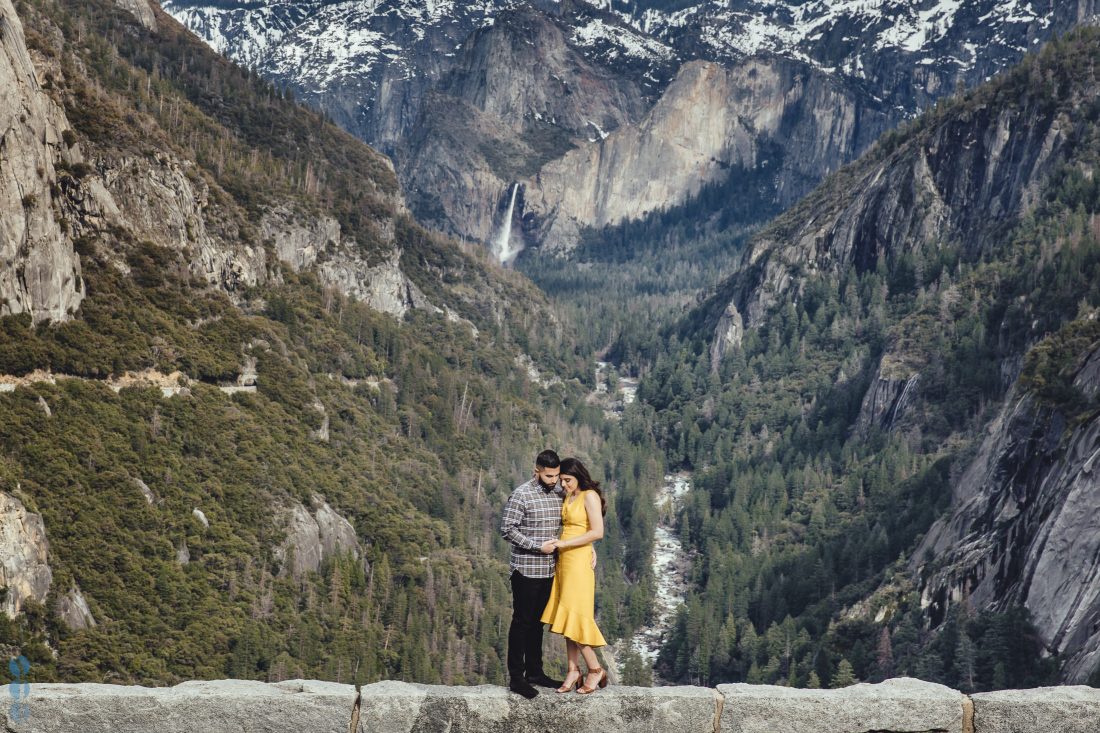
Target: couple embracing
x=551 y=522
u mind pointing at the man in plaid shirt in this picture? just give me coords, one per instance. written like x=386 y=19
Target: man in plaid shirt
x=532 y=520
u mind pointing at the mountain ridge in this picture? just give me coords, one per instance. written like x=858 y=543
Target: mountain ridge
x=258 y=446
x=897 y=56
x=924 y=324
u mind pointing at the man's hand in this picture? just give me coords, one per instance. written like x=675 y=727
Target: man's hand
x=593 y=558
x=548 y=547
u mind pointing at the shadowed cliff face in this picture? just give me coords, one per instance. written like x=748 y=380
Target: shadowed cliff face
x=519 y=96
x=1025 y=528
x=959 y=180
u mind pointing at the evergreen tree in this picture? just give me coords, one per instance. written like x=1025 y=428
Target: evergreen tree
x=884 y=657
x=844 y=676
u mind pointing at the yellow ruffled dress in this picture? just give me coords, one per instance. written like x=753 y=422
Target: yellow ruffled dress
x=571 y=610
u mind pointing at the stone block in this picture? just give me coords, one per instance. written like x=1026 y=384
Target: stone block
x=1073 y=709
x=902 y=705
x=399 y=707
x=217 y=706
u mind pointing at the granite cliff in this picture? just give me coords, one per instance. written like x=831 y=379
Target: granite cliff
x=520 y=93
x=1024 y=525
x=39 y=271
x=25 y=572
x=768 y=116
x=58 y=186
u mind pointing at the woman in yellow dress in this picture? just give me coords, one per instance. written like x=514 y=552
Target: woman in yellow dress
x=571 y=610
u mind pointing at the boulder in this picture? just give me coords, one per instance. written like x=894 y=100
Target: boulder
x=316 y=537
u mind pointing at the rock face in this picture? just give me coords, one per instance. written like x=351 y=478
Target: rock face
x=727 y=336
x=886 y=400
x=24 y=552
x=317 y=242
x=383 y=287
x=39 y=270
x=74 y=611
x=913 y=706
x=314 y=537
x=1025 y=529
x=142 y=10
x=519 y=95
x=299 y=240
x=472 y=97
x=961 y=178
x=163 y=200
x=712 y=123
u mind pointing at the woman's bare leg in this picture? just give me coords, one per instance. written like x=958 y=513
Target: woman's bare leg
x=592 y=678
x=572 y=653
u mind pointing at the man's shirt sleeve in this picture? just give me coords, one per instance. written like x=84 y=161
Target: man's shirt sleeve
x=509 y=525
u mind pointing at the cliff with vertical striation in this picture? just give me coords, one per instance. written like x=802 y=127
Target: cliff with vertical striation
x=24 y=571
x=712 y=123
x=39 y=271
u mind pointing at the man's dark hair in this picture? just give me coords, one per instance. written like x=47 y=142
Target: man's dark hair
x=547 y=459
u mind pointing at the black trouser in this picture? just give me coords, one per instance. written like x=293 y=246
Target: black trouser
x=529 y=597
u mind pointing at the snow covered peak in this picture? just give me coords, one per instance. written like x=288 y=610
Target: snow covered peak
x=903 y=52
x=842 y=35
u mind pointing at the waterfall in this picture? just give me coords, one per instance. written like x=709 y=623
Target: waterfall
x=502 y=247
x=900 y=404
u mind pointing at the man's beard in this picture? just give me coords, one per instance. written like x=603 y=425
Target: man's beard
x=544 y=485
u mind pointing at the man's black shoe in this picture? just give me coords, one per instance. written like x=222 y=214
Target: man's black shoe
x=543 y=681
x=522 y=687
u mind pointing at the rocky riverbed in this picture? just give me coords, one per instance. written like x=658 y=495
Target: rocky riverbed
x=670 y=567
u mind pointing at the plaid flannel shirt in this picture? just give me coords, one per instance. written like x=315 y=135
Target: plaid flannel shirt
x=531 y=517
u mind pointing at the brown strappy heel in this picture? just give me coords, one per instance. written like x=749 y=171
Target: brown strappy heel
x=567 y=687
x=602 y=683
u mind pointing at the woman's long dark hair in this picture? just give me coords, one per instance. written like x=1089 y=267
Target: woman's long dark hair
x=585 y=482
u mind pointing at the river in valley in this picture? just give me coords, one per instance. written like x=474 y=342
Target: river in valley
x=669 y=561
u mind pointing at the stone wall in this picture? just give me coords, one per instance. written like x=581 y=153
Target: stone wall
x=901 y=705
